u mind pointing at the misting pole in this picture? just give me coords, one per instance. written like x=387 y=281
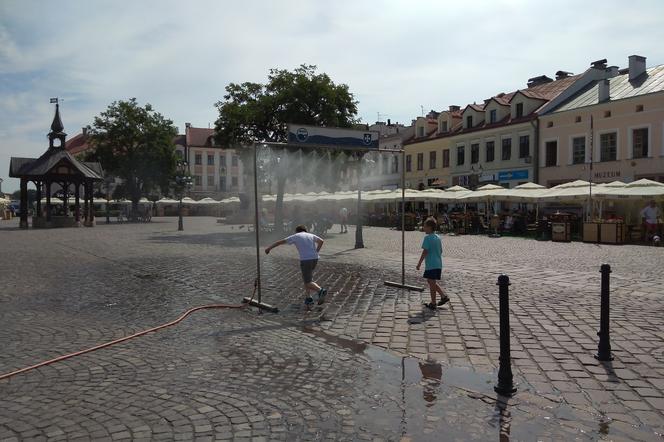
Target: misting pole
x=257 y=226
x=403 y=284
x=403 y=217
x=257 y=284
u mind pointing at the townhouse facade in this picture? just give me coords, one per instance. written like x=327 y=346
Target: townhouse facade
x=615 y=122
x=542 y=133
x=428 y=151
x=383 y=169
x=215 y=172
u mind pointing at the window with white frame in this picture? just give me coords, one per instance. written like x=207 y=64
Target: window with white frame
x=578 y=150
x=490 y=151
x=551 y=153
x=608 y=146
x=461 y=155
x=640 y=143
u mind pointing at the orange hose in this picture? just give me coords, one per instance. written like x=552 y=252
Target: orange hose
x=126 y=338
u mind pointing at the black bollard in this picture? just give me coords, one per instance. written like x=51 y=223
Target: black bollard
x=505 y=385
x=604 y=347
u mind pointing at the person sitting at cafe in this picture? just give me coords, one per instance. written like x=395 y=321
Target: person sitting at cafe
x=650 y=215
x=509 y=223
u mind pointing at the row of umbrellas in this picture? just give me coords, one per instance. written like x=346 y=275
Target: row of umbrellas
x=525 y=193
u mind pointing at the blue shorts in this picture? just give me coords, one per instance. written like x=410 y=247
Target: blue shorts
x=433 y=274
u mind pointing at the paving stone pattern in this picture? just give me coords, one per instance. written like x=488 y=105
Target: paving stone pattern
x=360 y=369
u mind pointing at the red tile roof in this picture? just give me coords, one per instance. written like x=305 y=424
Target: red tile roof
x=78 y=144
x=198 y=136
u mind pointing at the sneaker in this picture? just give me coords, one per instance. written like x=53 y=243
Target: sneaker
x=430 y=306
x=321 y=296
x=309 y=300
x=443 y=301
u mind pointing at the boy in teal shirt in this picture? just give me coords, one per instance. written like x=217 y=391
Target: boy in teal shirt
x=432 y=255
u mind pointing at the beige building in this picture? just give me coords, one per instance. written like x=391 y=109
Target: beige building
x=428 y=151
x=216 y=172
x=497 y=139
x=382 y=170
x=627 y=135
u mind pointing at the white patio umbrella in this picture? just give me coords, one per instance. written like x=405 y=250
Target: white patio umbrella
x=526 y=193
x=189 y=201
x=484 y=193
x=166 y=201
x=208 y=201
x=642 y=189
x=574 y=191
x=230 y=201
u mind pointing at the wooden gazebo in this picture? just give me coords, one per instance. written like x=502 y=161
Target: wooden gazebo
x=56 y=166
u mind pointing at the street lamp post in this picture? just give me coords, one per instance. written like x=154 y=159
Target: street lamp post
x=359 y=240
x=183 y=181
x=109 y=180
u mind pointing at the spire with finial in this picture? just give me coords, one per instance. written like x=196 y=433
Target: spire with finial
x=57 y=130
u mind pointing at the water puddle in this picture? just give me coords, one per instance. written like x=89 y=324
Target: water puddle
x=426 y=400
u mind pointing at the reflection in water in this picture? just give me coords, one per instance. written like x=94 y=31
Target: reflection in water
x=432 y=374
x=504 y=420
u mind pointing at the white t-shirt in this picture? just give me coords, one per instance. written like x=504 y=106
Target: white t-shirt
x=650 y=214
x=343 y=212
x=306 y=245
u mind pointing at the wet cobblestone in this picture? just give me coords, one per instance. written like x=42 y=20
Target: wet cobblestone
x=311 y=376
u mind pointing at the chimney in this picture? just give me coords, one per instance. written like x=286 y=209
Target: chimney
x=603 y=91
x=637 y=66
x=187 y=125
x=599 y=64
x=562 y=74
x=389 y=123
x=455 y=108
x=84 y=130
x=536 y=81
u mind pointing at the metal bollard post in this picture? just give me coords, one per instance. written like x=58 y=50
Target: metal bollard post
x=505 y=385
x=604 y=347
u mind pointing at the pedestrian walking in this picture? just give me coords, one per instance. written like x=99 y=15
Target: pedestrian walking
x=343 y=220
x=308 y=245
x=432 y=255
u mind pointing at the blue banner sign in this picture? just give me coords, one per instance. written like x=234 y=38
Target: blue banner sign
x=513 y=175
x=332 y=137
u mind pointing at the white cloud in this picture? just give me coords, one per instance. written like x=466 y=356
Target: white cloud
x=395 y=55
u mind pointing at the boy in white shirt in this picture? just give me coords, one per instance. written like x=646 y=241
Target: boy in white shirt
x=308 y=245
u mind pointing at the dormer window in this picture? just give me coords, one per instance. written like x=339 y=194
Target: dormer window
x=443 y=126
x=420 y=131
x=519 y=110
x=469 y=121
x=492 y=116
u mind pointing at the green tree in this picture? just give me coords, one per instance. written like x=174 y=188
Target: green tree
x=254 y=112
x=136 y=144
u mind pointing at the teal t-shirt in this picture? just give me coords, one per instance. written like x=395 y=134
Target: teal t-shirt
x=434 y=247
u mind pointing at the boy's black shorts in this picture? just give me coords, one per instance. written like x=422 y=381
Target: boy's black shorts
x=307 y=268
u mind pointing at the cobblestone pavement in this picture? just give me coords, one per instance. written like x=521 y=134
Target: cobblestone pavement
x=370 y=366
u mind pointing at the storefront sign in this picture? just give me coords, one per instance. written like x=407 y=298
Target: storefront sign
x=609 y=174
x=485 y=178
x=513 y=175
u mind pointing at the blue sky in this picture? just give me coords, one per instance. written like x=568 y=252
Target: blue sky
x=396 y=56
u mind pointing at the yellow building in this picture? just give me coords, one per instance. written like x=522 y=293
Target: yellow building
x=627 y=135
x=428 y=151
x=496 y=143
